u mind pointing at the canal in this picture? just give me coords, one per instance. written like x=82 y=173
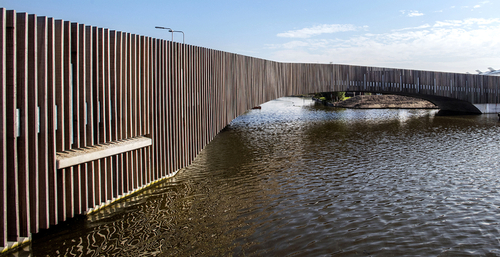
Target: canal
x=300 y=179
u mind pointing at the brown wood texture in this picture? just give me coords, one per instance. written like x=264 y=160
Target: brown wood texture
x=3 y=131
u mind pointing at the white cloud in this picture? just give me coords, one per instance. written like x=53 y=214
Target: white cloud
x=318 y=30
x=466 y=22
x=457 y=45
x=414 y=14
x=414 y=28
x=476 y=6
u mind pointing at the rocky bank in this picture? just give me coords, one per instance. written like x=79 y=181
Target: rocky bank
x=384 y=102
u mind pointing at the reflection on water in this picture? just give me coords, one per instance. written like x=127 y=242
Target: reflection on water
x=296 y=178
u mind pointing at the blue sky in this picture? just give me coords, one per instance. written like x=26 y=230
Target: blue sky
x=456 y=36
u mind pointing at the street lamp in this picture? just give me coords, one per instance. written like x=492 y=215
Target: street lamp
x=169 y=30
x=180 y=32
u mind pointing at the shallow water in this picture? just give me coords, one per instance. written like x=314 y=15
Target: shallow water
x=299 y=179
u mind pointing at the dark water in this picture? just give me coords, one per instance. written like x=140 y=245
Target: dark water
x=298 y=179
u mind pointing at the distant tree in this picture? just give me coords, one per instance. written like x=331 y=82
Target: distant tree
x=330 y=96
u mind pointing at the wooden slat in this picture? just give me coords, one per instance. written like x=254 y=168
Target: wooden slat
x=82 y=115
x=33 y=121
x=68 y=118
x=3 y=132
x=23 y=139
x=96 y=76
x=101 y=85
x=89 y=109
x=51 y=121
x=11 y=127
x=77 y=116
x=42 y=136
x=3 y=128
x=107 y=114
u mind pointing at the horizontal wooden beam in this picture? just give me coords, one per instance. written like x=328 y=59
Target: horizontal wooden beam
x=86 y=154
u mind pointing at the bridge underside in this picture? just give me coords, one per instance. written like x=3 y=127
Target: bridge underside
x=446 y=104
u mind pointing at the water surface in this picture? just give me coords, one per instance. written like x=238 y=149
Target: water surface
x=299 y=179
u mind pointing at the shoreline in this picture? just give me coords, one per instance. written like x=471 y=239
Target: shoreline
x=382 y=102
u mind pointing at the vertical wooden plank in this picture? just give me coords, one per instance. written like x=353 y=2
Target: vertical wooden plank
x=3 y=132
x=74 y=30
x=142 y=104
x=168 y=123
x=113 y=193
x=107 y=113
x=97 y=182
x=107 y=87
x=133 y=85
x=137 y=109
x=152 y=113
x=119 y=106
x=113 y=85
x=147 y=106
x=43 y=143
x=141 y=85
x=51 y=121
x=82 y=116
x=171 y=105
x=154 y=100
x=126 y=85
x=11 y=127
x=89 y=110
x=33 y=121
x=22 y=140
x=183 y=125
x=100 y=63
x=129 y=98
x=148 y=82
x=89 y=85
x=125 y=106
x=82 y=85
x=167 y=154
x=96 y=76
x=68 y=117
x=60 y=139
x=119 y=84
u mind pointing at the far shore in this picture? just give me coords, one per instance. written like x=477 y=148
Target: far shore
x=384 y=102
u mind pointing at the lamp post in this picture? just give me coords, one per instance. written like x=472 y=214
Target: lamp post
x=180 y=32
x=169 y=30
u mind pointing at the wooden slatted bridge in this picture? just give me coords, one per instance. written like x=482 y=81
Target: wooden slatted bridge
x=90 y=115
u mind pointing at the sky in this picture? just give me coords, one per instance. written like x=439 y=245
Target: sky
x=441 y=35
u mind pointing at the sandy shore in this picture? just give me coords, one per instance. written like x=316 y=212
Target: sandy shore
x=384 y=102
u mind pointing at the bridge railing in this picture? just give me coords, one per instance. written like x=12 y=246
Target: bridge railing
x=89 y=115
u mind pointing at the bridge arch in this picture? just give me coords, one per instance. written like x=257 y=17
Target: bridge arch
x=444 y=104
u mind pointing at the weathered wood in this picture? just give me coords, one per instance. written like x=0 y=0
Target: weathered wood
x=3 y=129
x=51 y=122
x=42 y=135
x=23 y=137
x=33 y=118
x=11 y=127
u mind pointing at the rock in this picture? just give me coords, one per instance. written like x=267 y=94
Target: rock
x=385 y=102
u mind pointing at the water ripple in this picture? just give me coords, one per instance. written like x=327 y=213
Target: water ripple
x=298 y=179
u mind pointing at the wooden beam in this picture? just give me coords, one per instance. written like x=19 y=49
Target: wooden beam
x=82 y=155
